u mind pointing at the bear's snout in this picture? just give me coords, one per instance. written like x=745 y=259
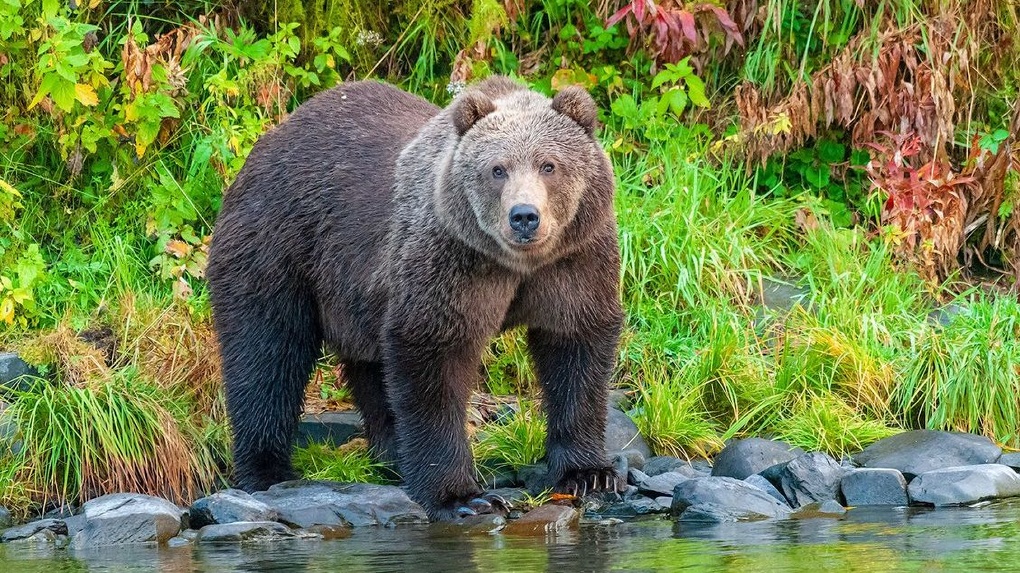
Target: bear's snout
x=524 y=220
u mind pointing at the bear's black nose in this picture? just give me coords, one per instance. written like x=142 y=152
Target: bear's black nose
x=524 y=218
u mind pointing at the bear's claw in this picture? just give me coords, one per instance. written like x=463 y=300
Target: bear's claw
x=580 y=483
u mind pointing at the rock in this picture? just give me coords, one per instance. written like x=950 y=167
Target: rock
x=828 y=508
x=742 y=458
x=13 y=373
x=332 y=428
x=514 y=496
x=486 y=523
x=874 y=486
x=634 y=507
x=766 y=486
x=128 y=518
x=244 y=531
x=714 y=513
x=229 y=506
x=662 y=484
x=633 y=459
x=74 y=524
x=544 y=520
x=177 y=542
x=622 y=434
x=727 y=496
x=1011 y=459
x=5 y=517
x=811 y=477
x=964 y=485
x=919 y=451
x=629 y=492
x=307 y=503
x=662 y=464
x=635 y=477
x=29 y=530
x=534 y=477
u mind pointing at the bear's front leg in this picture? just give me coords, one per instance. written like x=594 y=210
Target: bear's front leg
x=574 y=371
x=429 y=384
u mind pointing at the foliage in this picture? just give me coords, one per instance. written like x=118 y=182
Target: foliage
x=348 y=463
x=513 y=442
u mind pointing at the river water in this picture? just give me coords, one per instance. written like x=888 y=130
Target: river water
x=903 y=539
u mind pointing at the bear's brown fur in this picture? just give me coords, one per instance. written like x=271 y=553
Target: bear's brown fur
x=405 y=237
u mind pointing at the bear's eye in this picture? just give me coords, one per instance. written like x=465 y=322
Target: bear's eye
x=498 y=172
x=548 y=168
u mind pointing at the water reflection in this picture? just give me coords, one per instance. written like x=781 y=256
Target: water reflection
x=904 y=539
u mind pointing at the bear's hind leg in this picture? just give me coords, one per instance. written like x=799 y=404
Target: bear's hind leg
x=366 y=382
x=268 y=356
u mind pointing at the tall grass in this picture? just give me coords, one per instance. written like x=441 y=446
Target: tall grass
x=115 y=436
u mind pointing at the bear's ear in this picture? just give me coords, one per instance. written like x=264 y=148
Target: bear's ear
x=575 y=103
x=472 y=106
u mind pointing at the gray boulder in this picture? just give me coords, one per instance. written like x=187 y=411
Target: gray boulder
x=663 y=464
x=5 y=517
x=662 y=484
x=874 y=486
x=919 y=451
x=229 y=506
x=811 y=477
x=12 y=372
x=638 y=505
x=766 y=486
x=828 y=508
x=333 y=428
x=128 y=518
x=1011 y=459
x=30 y=530
x=244 y=531
x=964 y=485
x=725 y=496
x=307 y=503
x=622 y=434
x=742 y=458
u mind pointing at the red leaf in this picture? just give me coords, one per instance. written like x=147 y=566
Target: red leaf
x=687 y=23
x=728 y=24
x=639 y=9
x=619 y=15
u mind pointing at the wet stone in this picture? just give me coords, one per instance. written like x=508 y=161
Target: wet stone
x=128 y=518
x=810 y=478
x=307 y=503
x=22 y=532
x=727 y=497
x=1011 y=459
x=329 y=532
x=229 y=506
x=636 y=477
x=544 y=520
x=639 y=505
x=178 y=542
x=964 y=485
x=487 y=523
x=828 y=508
x=622 y=434
x=663 y=464
x=241 y=532
x=662 y=484
x=5 y=517
x=742 y=458
x=874 y=486
x=766 y=486
x=714 y=513
x=919 y=451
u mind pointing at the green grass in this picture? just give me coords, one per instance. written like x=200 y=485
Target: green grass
x=115 y=435
x=513 y=442
x=348 y=463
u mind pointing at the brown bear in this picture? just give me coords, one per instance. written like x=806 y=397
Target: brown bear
x=404 y=237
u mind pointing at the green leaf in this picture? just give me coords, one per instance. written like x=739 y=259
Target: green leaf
x=677 y=100
x=696 y=90
x=830 y=151
x=817 y=176
x=63 y=94
x=661 y=78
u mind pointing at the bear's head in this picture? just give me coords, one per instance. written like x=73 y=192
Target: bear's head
x=535 y=177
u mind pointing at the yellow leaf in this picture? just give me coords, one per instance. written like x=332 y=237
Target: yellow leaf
x=9 y=189
x=94 y=3
x=85 y=94
x=7 y=311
